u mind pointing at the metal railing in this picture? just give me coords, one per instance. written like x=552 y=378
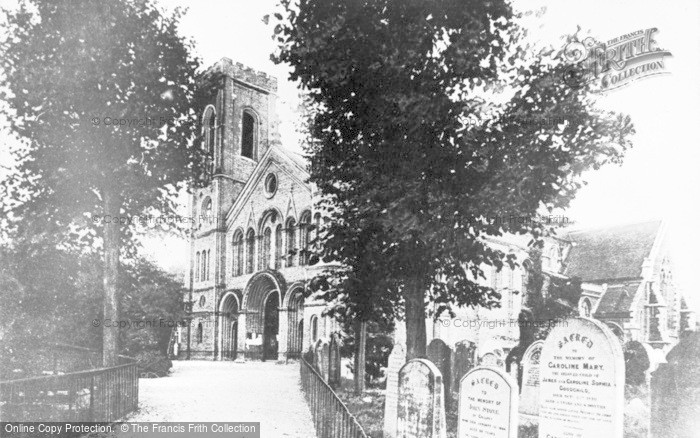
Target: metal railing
x=331 y=417
x=96 y=395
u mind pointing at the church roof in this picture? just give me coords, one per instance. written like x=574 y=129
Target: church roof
x=617 y=298
x=299 y=159
x=610 y=253
x=296 y=160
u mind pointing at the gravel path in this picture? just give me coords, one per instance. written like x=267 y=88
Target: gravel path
x=228 y=391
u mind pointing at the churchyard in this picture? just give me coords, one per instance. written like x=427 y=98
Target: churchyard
x=581 y=381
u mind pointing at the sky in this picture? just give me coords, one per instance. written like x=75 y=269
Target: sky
x=658 y=178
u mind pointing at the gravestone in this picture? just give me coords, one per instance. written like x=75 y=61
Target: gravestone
x=530 y=392
x=323 y=362
x=675 y=391
x=492 y=359
x=334 y=362
x=488 y=404
x=421 y=408
x=513 y=370
x=441 y=355
x=309 y=356
x=637 y=394
x=463 y=360
x=637 y=363
x=397 y=359
x=582 y=381
x=317 y=356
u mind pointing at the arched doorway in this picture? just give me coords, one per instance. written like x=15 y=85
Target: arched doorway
x=261 y=304
x=228 y=323
x=271 y=326
x=295 y=313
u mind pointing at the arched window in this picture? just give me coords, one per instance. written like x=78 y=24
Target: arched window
x=209 y=130
x=511 y=303
x=314 y=328
x=250 y=251
x=496 y=278
x=197 y=266
x=237 y=254
x=511 y=277
x=208 y=263
x=291 y=241
x=278 y=247
x=200 y=333
x=206 y=210
x=304 y=224
x=267 y=241
x=203 y=274
x=248 y=135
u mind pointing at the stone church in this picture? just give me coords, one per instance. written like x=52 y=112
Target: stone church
x=626 y=276
x=248 y=264
x=254 y=222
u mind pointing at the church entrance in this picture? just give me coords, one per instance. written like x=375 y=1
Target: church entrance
x=261 y=304
x=295 y=315
x=229 y=327
x=271 y=327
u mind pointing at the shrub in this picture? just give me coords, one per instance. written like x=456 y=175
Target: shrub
x=153 y=363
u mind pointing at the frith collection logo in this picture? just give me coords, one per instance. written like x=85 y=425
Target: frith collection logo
x=615 y=63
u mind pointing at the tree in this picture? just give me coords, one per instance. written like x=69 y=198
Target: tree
x=547 y=301
x=359 y=289
x=149 y=294
x=433 y=120
x=60 y=306
x=103 y=96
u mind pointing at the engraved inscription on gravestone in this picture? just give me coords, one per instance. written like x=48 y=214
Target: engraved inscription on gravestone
x=582 y=374
x=421 y=408
x=529 y=396
x=488 y=404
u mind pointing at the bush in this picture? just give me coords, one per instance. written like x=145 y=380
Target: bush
x=379 y=347
x=153 y=363
x=63 y=300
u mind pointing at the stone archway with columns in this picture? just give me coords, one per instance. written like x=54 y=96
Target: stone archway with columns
x=227 y=337
x=293 y=306
x=252 y=319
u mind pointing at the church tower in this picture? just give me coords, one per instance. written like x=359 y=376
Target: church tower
x=238 y=126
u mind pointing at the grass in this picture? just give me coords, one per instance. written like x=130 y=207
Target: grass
x=367 y=408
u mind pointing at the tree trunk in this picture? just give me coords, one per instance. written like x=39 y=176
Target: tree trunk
x=360 y=350
x=415 y=320
x=110 y=335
